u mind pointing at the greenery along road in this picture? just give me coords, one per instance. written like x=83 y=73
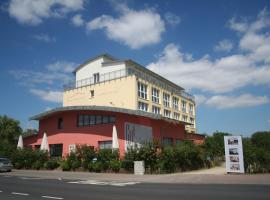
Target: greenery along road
x=158 y=158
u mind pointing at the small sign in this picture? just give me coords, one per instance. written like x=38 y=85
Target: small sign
x=234 y=154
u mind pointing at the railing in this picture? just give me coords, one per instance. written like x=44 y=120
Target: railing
x=119 y=74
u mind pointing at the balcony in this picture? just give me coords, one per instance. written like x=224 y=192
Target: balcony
x=120 y=74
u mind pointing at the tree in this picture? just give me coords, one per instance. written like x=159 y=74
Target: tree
x=9 y=130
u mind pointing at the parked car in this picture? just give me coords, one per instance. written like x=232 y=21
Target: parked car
x=5 y=165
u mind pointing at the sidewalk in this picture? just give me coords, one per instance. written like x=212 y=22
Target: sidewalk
x=206 y=176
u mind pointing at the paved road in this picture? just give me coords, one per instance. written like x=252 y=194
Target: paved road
x=27 y=188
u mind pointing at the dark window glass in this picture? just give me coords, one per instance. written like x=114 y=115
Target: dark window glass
x=98 y=119
x=60 y=123
x=105 y=144
x=167 y=141
x=80 y=120
x=105 y=119
x=111 y=119
x=56 y=150
x=92 y=119
x=85 y=120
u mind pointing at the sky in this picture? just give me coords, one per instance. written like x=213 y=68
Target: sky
x=219 y=51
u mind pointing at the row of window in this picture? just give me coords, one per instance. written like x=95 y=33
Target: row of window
x=88 y=120
x=167 y=113
x=142 y=93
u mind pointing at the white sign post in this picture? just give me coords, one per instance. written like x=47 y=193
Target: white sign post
x=234 y=154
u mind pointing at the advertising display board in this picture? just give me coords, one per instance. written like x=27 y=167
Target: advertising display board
x=234 y=154
x=136 y=135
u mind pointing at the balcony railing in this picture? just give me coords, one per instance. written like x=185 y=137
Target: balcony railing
x=116 y=75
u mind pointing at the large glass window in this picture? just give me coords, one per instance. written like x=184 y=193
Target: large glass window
x=176 y=116
x=191 y=108
x=166 y=99
x=142 y=106
x=86 y=120
x=167 y=141
x=167 y=113
x=142 y=90
x=155 y=95
x=175 y=103
x=184 y=106
x=105 y=144
x=96 y=78
x=155 y=109
x=56 y=150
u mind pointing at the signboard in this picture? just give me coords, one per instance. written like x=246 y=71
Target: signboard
x=136 y=135
x=234 y=154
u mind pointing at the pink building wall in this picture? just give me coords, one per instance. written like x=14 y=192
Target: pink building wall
x=91 y=135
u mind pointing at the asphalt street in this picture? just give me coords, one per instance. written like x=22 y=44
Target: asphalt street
x=20 y=188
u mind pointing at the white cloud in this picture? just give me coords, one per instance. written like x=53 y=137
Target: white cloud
x=133 y=28
x=44 y=38
x=224 y=45
x=77 y=20
x=52 y=77
x=249 y=67
x=172 y=19
x=200 y=99
x=33 y=12
x=245 y=100
x=51 y=96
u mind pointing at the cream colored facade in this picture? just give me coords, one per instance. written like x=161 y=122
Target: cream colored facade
x=129 y=85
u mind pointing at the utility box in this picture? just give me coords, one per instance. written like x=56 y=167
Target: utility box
x=139 y=168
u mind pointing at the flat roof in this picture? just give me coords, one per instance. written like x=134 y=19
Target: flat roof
x=104 y=108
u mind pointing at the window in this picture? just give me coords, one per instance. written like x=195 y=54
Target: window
x=167 y=113
x=98 y=119
x=155 y=109
x=72 y=148
x=155 y=95
x=96 y=78
x=175 y=103
x=191 y=108
x=105 y=119
x=184 y=106
x=92 y=120
x=142 y=106
x=191 y=121
x=166 y=100
x=60 y=123
x=80 y=120
x=142 y=90
x=178 y=142
x=88 y=120
x=92 y=92
x=167 y=141
x=105 y=144
x=176 y=116
x=184 y=118
x=56 y=150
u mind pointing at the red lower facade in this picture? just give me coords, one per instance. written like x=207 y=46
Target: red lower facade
x=94 y=128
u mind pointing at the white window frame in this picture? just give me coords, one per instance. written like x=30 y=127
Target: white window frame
x=155 y=95
x=71 y=148
x=156 y=110
x=166 y=99
x=185 y=118
x=142 y=90
x=176 y=115
x=167 y=113
x=184 y=106
x=191 y=108
x=142 y=106
x=176 y=103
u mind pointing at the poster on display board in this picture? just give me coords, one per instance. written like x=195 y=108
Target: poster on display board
x=234 y=154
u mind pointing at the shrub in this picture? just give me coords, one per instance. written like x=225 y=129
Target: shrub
x=167 y=160
x=104 y=156
x=73 y=161
x=51 y=164
x=115 y=165
x=65 y=166
x=37 y=165
x=85 y=154
x=95 y=166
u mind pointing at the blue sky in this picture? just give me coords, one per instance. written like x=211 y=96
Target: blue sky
x=218 y=50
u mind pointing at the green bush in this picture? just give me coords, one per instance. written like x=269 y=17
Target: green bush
x=51 y=164
x=167 y=162
x=85 y=154
x=37 y=165
x=96 y=166
x=115 y=165
x=73 y=161
x=65 y=166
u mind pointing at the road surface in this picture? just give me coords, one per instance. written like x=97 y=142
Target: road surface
x=28 y=188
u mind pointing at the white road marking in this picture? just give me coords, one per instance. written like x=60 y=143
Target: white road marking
x=1 y=191
x=32 y=178
x=50 y=197
x=93 y=182
x=18 y=193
